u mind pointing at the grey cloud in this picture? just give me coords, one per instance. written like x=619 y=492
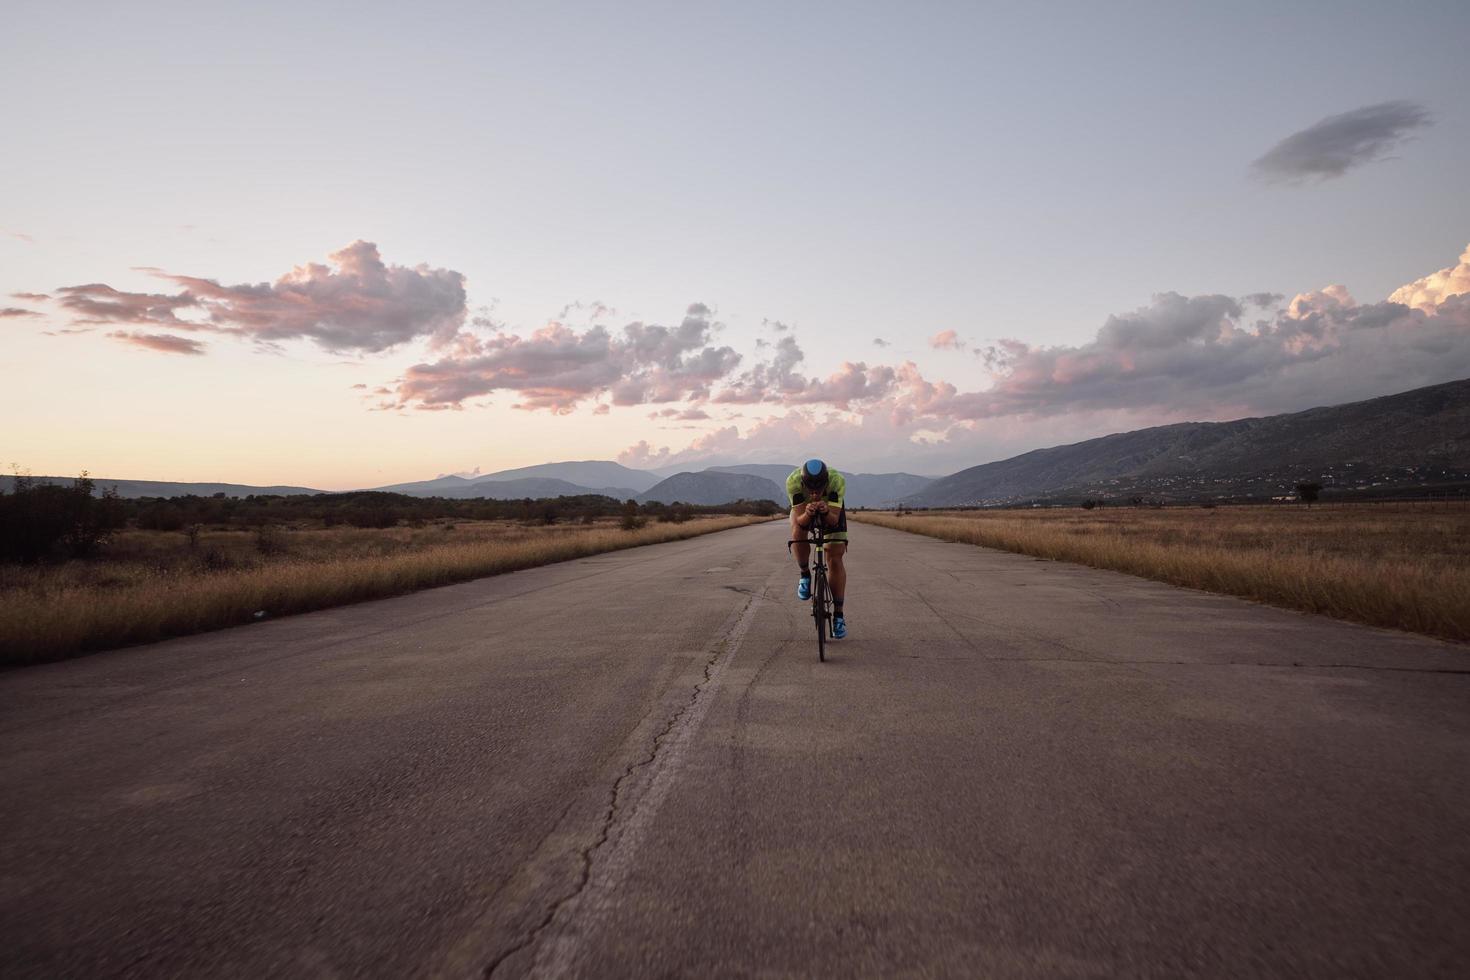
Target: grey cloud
x=15 y=311
x=1170 y=321
x=1194 y=355
x=1337 y=144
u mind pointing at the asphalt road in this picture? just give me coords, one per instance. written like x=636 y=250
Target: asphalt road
x=633 y=764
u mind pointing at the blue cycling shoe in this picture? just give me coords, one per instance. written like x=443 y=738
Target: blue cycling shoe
x=839 y=627
x=804 y=588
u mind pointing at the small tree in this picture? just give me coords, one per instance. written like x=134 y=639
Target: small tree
x=42 y=520
x=1307 y=493
x=631 y=520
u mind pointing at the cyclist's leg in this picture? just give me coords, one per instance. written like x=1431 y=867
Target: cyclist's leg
x=836 y=552
x=837 y=569
x=801 y=548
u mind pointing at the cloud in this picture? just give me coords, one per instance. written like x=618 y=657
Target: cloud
x=555 y=367
x=680 y=415
x=776 y=381
x=880 y=342
x=18 y=236
x=1175 y=358
x=1197 y=356
x=356 y=304
x=946 y=340
x=31 y=297
x=596 y=310
x=1428 y=293
x=1337 y=144
x=466 y=474
x=7 y=312
x=162 y=342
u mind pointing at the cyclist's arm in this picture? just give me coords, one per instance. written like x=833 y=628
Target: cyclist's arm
x=834 y=501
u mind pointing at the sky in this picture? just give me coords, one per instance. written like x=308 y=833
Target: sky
x=347 y=245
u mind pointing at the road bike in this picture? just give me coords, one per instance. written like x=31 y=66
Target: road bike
x=821 y=591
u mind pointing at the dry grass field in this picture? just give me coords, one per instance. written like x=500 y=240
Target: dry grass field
x=152 y=585
x=1391 y=565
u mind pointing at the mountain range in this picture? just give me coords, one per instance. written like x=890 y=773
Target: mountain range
x=1413 y=439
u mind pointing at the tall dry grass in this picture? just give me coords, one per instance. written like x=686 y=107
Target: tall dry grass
x=155 y=586
x=1378 y=564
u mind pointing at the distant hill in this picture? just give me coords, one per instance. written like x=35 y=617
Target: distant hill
x=712 y=487
x=133 y=489
x=444 y=486
x=882 y=489
x=533 y=487
x=775 y=472
x=584 y=476
x=863 y=489
x=585 y=473
x=1414 y=439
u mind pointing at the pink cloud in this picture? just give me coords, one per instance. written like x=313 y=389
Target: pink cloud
x=31 y=297
x=556 y=368
x=162 y=342
x=357 y=303
x=682 y=415
x=946 y=340
x=9 y=312
x=776 y=381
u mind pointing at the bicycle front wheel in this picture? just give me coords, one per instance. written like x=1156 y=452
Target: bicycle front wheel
x=819 y=612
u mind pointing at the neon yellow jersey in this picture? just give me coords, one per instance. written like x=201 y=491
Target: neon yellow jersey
x=836 y=489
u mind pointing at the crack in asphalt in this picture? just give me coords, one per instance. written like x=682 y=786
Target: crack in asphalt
x=615 y=795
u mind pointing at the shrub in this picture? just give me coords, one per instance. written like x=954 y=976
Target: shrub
x=40 y=520
x=269 y=540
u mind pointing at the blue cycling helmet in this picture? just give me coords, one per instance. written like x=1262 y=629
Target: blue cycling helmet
x=813 y=474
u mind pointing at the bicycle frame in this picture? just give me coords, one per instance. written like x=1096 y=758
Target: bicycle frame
x=821 y=599
x=821 y=592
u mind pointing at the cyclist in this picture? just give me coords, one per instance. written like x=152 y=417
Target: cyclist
x=819 y=493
